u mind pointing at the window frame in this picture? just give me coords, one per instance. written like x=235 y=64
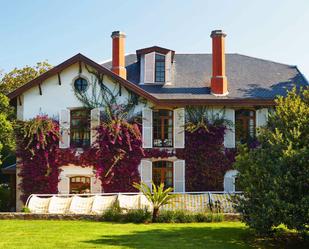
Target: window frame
x=163 y=170
x=157 y=71
x=245 y=122
x=87 y=182
x=74 y=128
x=162 y=128
x=78 y=78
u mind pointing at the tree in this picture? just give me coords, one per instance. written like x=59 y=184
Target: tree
x=275 y=176
x=6 y=127
x=20 y=76
x=158 y=197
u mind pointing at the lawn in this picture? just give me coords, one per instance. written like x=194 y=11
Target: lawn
x=82 y=234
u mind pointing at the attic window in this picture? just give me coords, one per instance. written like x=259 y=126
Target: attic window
x=80 y=84
x=159 y=68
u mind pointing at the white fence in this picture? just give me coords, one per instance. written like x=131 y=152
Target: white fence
x=99 y=203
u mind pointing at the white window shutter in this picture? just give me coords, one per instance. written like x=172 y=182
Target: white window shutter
x=229 y=184
x=146 y=172
x=64 y=185
x=229 y=136
x=261 y=117
x=96 y=186
x=179 y=176
x=94 y=124
x=168 y=67
x=149 y=67
x=147 y=128
x=64 y=123
x=179 y=128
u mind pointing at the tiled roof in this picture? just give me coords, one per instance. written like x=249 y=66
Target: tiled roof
x=248 y=77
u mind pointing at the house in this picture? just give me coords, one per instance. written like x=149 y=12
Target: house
x=167 y=82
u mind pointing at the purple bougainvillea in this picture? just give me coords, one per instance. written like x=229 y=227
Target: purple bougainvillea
x=116 y=156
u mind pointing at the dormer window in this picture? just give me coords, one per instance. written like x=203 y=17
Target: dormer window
x=159 y=68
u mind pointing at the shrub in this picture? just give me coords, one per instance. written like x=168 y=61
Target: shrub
x=137 y=216
x=188 y=217
x=274 y=176
x=4 y=198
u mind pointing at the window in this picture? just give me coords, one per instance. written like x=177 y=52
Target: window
x=80 y=128
x=162 y=172
x=244 y=126
x=81 y=84
x=162 y=128
x=79 y=185
x=160 y=68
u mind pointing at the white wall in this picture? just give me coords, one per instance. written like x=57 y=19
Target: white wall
x=56 y=97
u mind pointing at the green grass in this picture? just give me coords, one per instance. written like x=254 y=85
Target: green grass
x=83 y=234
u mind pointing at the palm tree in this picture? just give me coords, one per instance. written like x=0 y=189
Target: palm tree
x=158 y=196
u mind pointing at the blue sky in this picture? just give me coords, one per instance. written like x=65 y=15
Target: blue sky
x=32 y=31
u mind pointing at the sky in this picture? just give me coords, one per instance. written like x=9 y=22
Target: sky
x=55 y=30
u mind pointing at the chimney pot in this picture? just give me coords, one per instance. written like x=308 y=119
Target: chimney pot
x=118 y=60
x=218 y=79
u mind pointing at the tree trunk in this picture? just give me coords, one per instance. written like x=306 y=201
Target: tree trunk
x=155 y=214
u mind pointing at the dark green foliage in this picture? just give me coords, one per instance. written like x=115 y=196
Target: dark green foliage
x=114 y=214
x=137 y=216
x=275 y=176
x=181 y=216
x=6 y=128
x=4 y=198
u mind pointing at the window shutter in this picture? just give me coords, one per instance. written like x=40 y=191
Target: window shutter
x=64 y=185
x=229 y=184
x=96 y=186
x=94 y=123
x=146 y=172
x=179 y=128
x=179 y=176
x=147 y=128
x=261 y=117
x=149 y=67
x=229 y=136
x=64 y=123
x=168 y=67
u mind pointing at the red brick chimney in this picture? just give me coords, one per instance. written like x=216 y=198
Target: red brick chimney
x=119 y=62
x=218 y=79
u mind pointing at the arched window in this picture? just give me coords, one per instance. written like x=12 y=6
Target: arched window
x=80 y=84
x=230 y=181
x=79 y=185
x=162 y=172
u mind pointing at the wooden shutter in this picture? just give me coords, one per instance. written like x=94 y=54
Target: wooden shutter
x=179 y=128
x=179 y=176
x=64 y=185
x=261 y=117
x=147 y=128
x=94 y=123
x=146 y=172
x=96 y=186
x=64 y=122
x=168 y=67
x=229 y=136
x=149 y=67
x=229 y=184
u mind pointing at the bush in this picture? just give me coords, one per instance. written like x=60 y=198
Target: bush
x=274 y=176
x=188 y=217
x=115 y=214
x=137 y=216
x=4 y=198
